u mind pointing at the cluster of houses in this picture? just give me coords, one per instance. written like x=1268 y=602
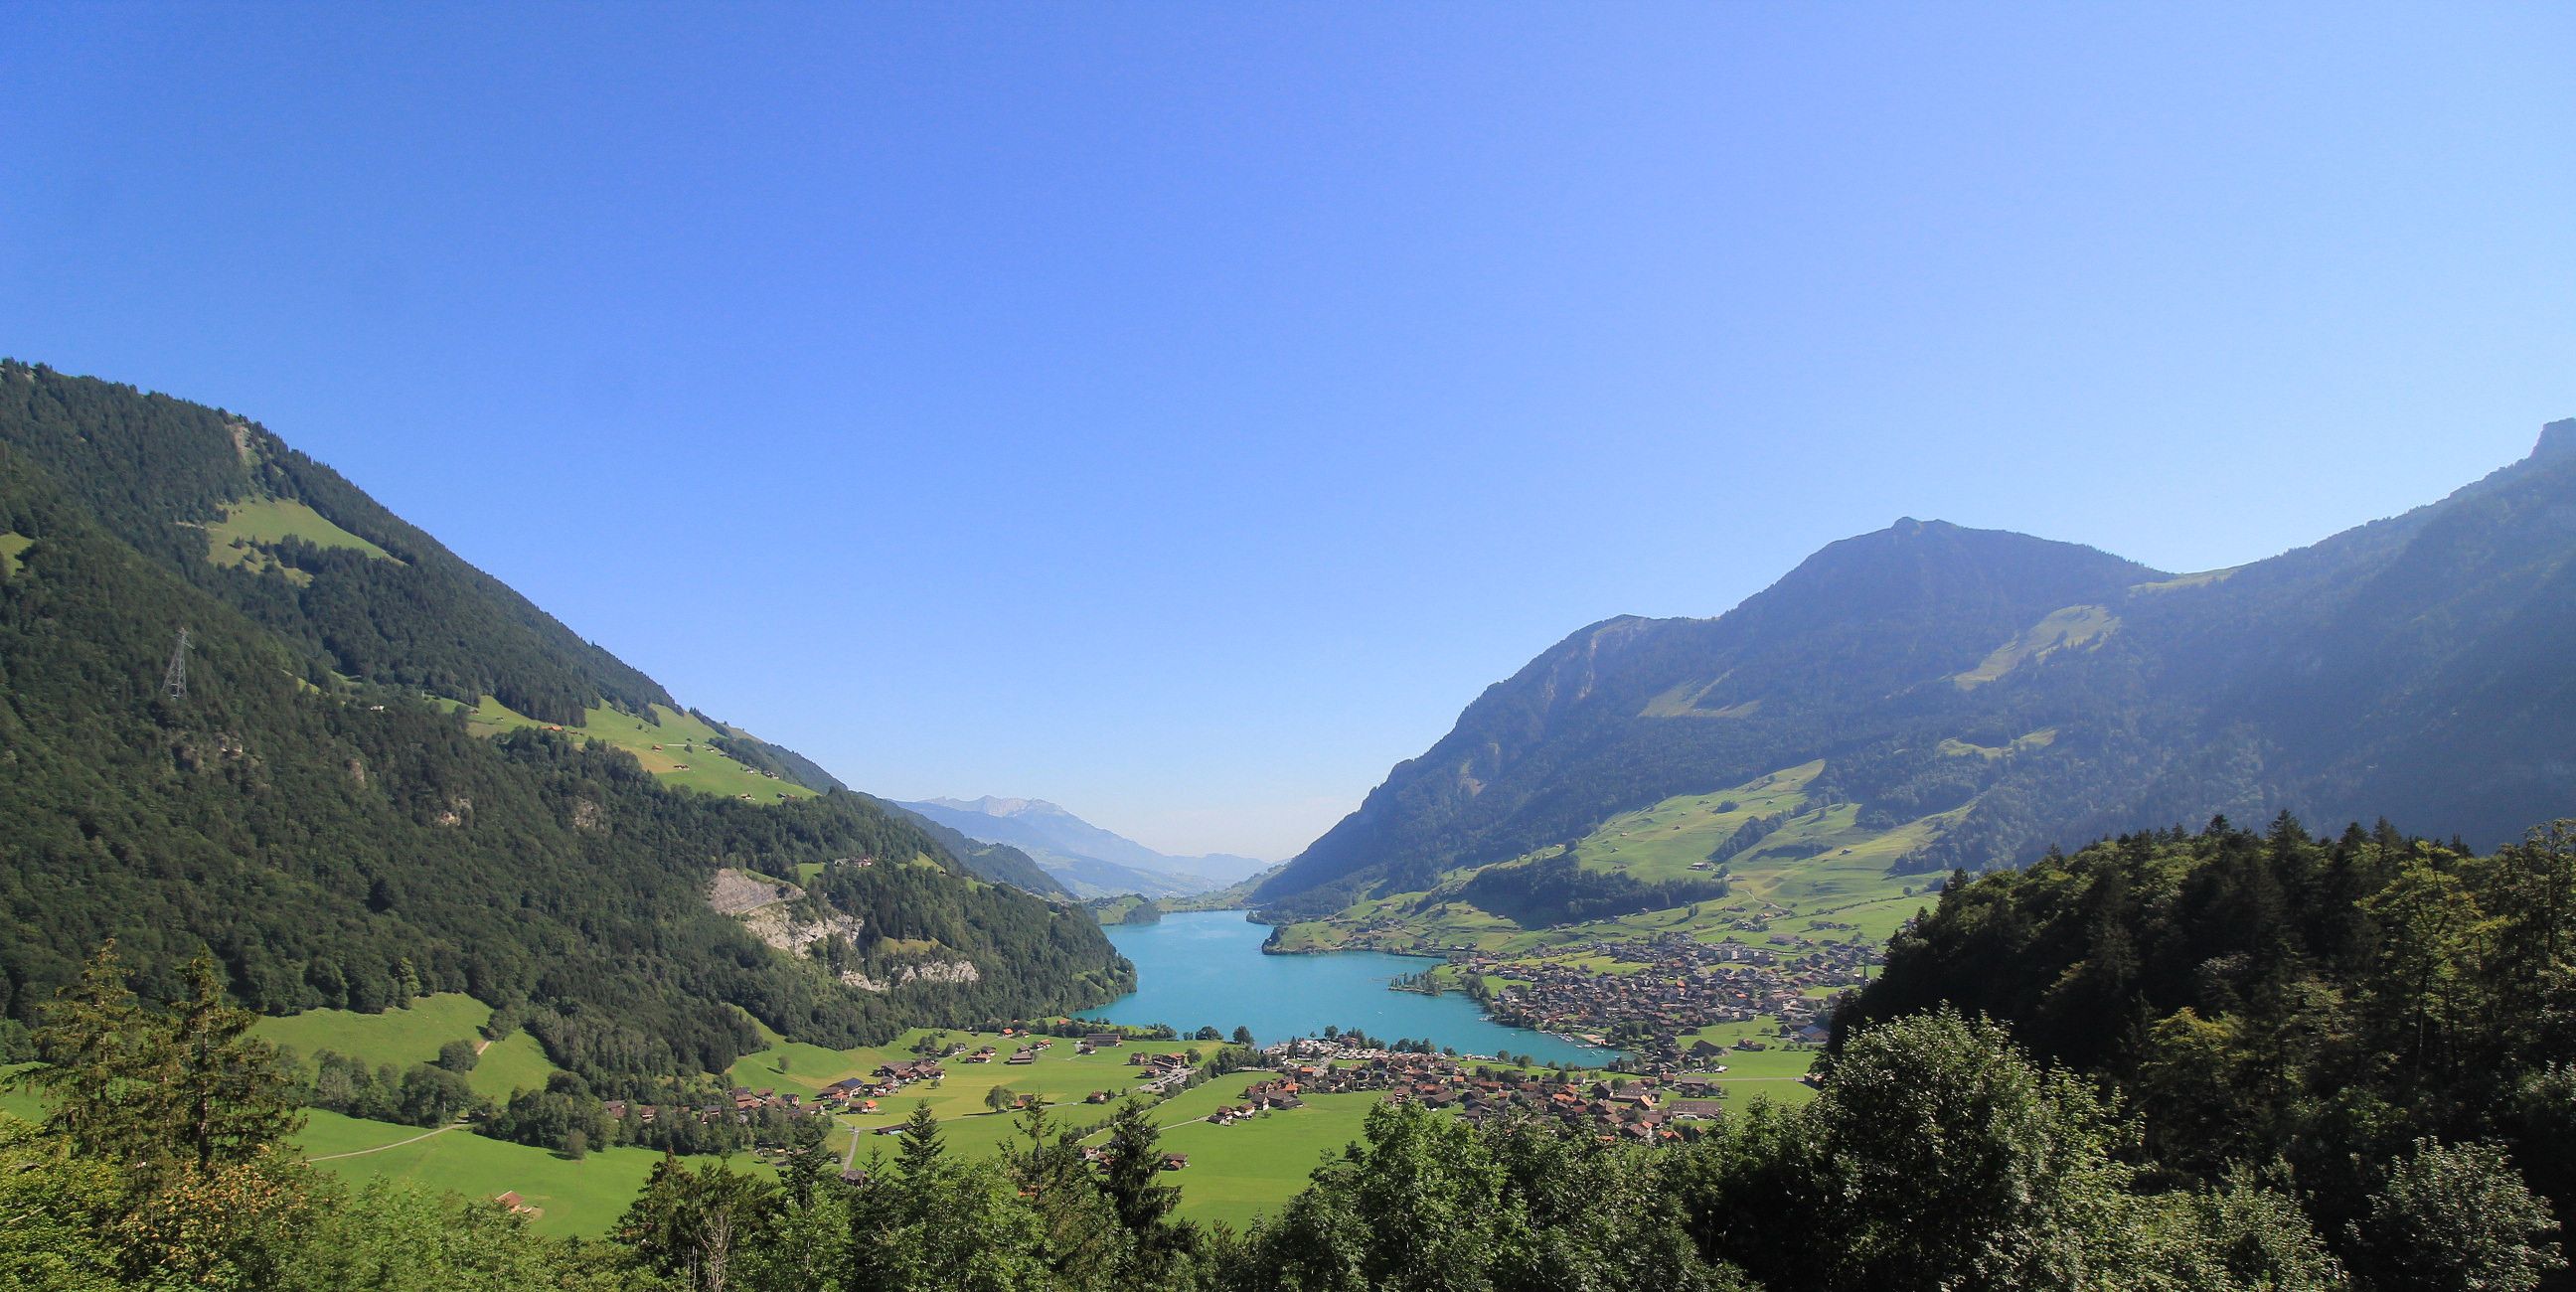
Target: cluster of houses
x=1680 y=985
x=1162 y=1073
x=1022 y=1056
x=1643 y=1110
x=850 y=1095
x=742 y=1104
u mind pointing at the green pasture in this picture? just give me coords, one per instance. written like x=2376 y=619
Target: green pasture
x=1821 y=863
x=2039 y=739
x=1662 y=842
x=514 y=1063
x=674 y=747
x=1771 y=1073
x=401 y=1037
x=12 y=545
x=582 y=1198
x=249 y=528
x=2064 y=629
x=1241 y=1171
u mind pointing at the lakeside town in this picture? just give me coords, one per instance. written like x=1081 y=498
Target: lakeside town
x=1647 y=995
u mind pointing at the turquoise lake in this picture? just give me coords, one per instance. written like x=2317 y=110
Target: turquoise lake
x=1205 y=969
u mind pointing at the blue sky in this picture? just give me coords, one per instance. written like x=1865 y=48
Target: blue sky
x=1182 y=412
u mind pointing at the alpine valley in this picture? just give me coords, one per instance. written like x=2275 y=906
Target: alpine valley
x=1800 y=864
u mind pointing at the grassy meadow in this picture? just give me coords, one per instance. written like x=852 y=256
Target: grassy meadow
x=401 y=1037
x=582 y=1198
x=1822 y=876
x=12 y=546
x=249 y=528
x=674 y=747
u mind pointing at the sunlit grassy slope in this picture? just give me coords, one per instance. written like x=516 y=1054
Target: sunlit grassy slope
x=401 y=1037
x=674 y=747
x=12 y=546
x=2065 y=629
x=1821 y=875
x=514 y=1063
x=250 y=527
x=574 y=1197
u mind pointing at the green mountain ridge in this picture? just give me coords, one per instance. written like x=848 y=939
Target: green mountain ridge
x=379 y=782
x=2347 y=679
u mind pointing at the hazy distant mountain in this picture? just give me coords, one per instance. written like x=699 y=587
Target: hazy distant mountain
x=1089 y=860
x=2011 y=693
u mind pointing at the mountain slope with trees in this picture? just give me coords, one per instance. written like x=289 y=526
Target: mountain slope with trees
x=2036 y=691
x=317 y=812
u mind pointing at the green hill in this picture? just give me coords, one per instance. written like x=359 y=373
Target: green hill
x=362 y=798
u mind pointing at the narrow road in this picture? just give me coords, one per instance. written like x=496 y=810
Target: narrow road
x=328 y=1157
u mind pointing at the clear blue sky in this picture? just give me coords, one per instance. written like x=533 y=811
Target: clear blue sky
x=1180 y=412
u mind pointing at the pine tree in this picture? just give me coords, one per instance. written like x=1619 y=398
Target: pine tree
x=232 y=1094
x=1132 y=1180
x=102 y=1066
x=922 y=1154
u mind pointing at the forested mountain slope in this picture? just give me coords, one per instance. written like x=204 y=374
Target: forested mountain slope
x=999 y=862
x=2008 y=692
x=321 y=812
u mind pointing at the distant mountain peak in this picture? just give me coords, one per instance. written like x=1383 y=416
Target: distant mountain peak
x=1090 y=860
x=994 y=805
x=1913 y=564
x=2557 y=439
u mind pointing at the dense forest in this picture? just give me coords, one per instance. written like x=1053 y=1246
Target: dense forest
x=338 y=839
x=2037 y=690
x=2274 y=1000
x=998 y=862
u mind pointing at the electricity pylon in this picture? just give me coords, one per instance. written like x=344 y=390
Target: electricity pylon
x=174 y=683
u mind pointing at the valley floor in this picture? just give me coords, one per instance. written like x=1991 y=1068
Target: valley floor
x=1238 y=1166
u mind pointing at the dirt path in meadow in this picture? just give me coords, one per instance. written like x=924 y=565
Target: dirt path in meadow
x=362 y=1152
